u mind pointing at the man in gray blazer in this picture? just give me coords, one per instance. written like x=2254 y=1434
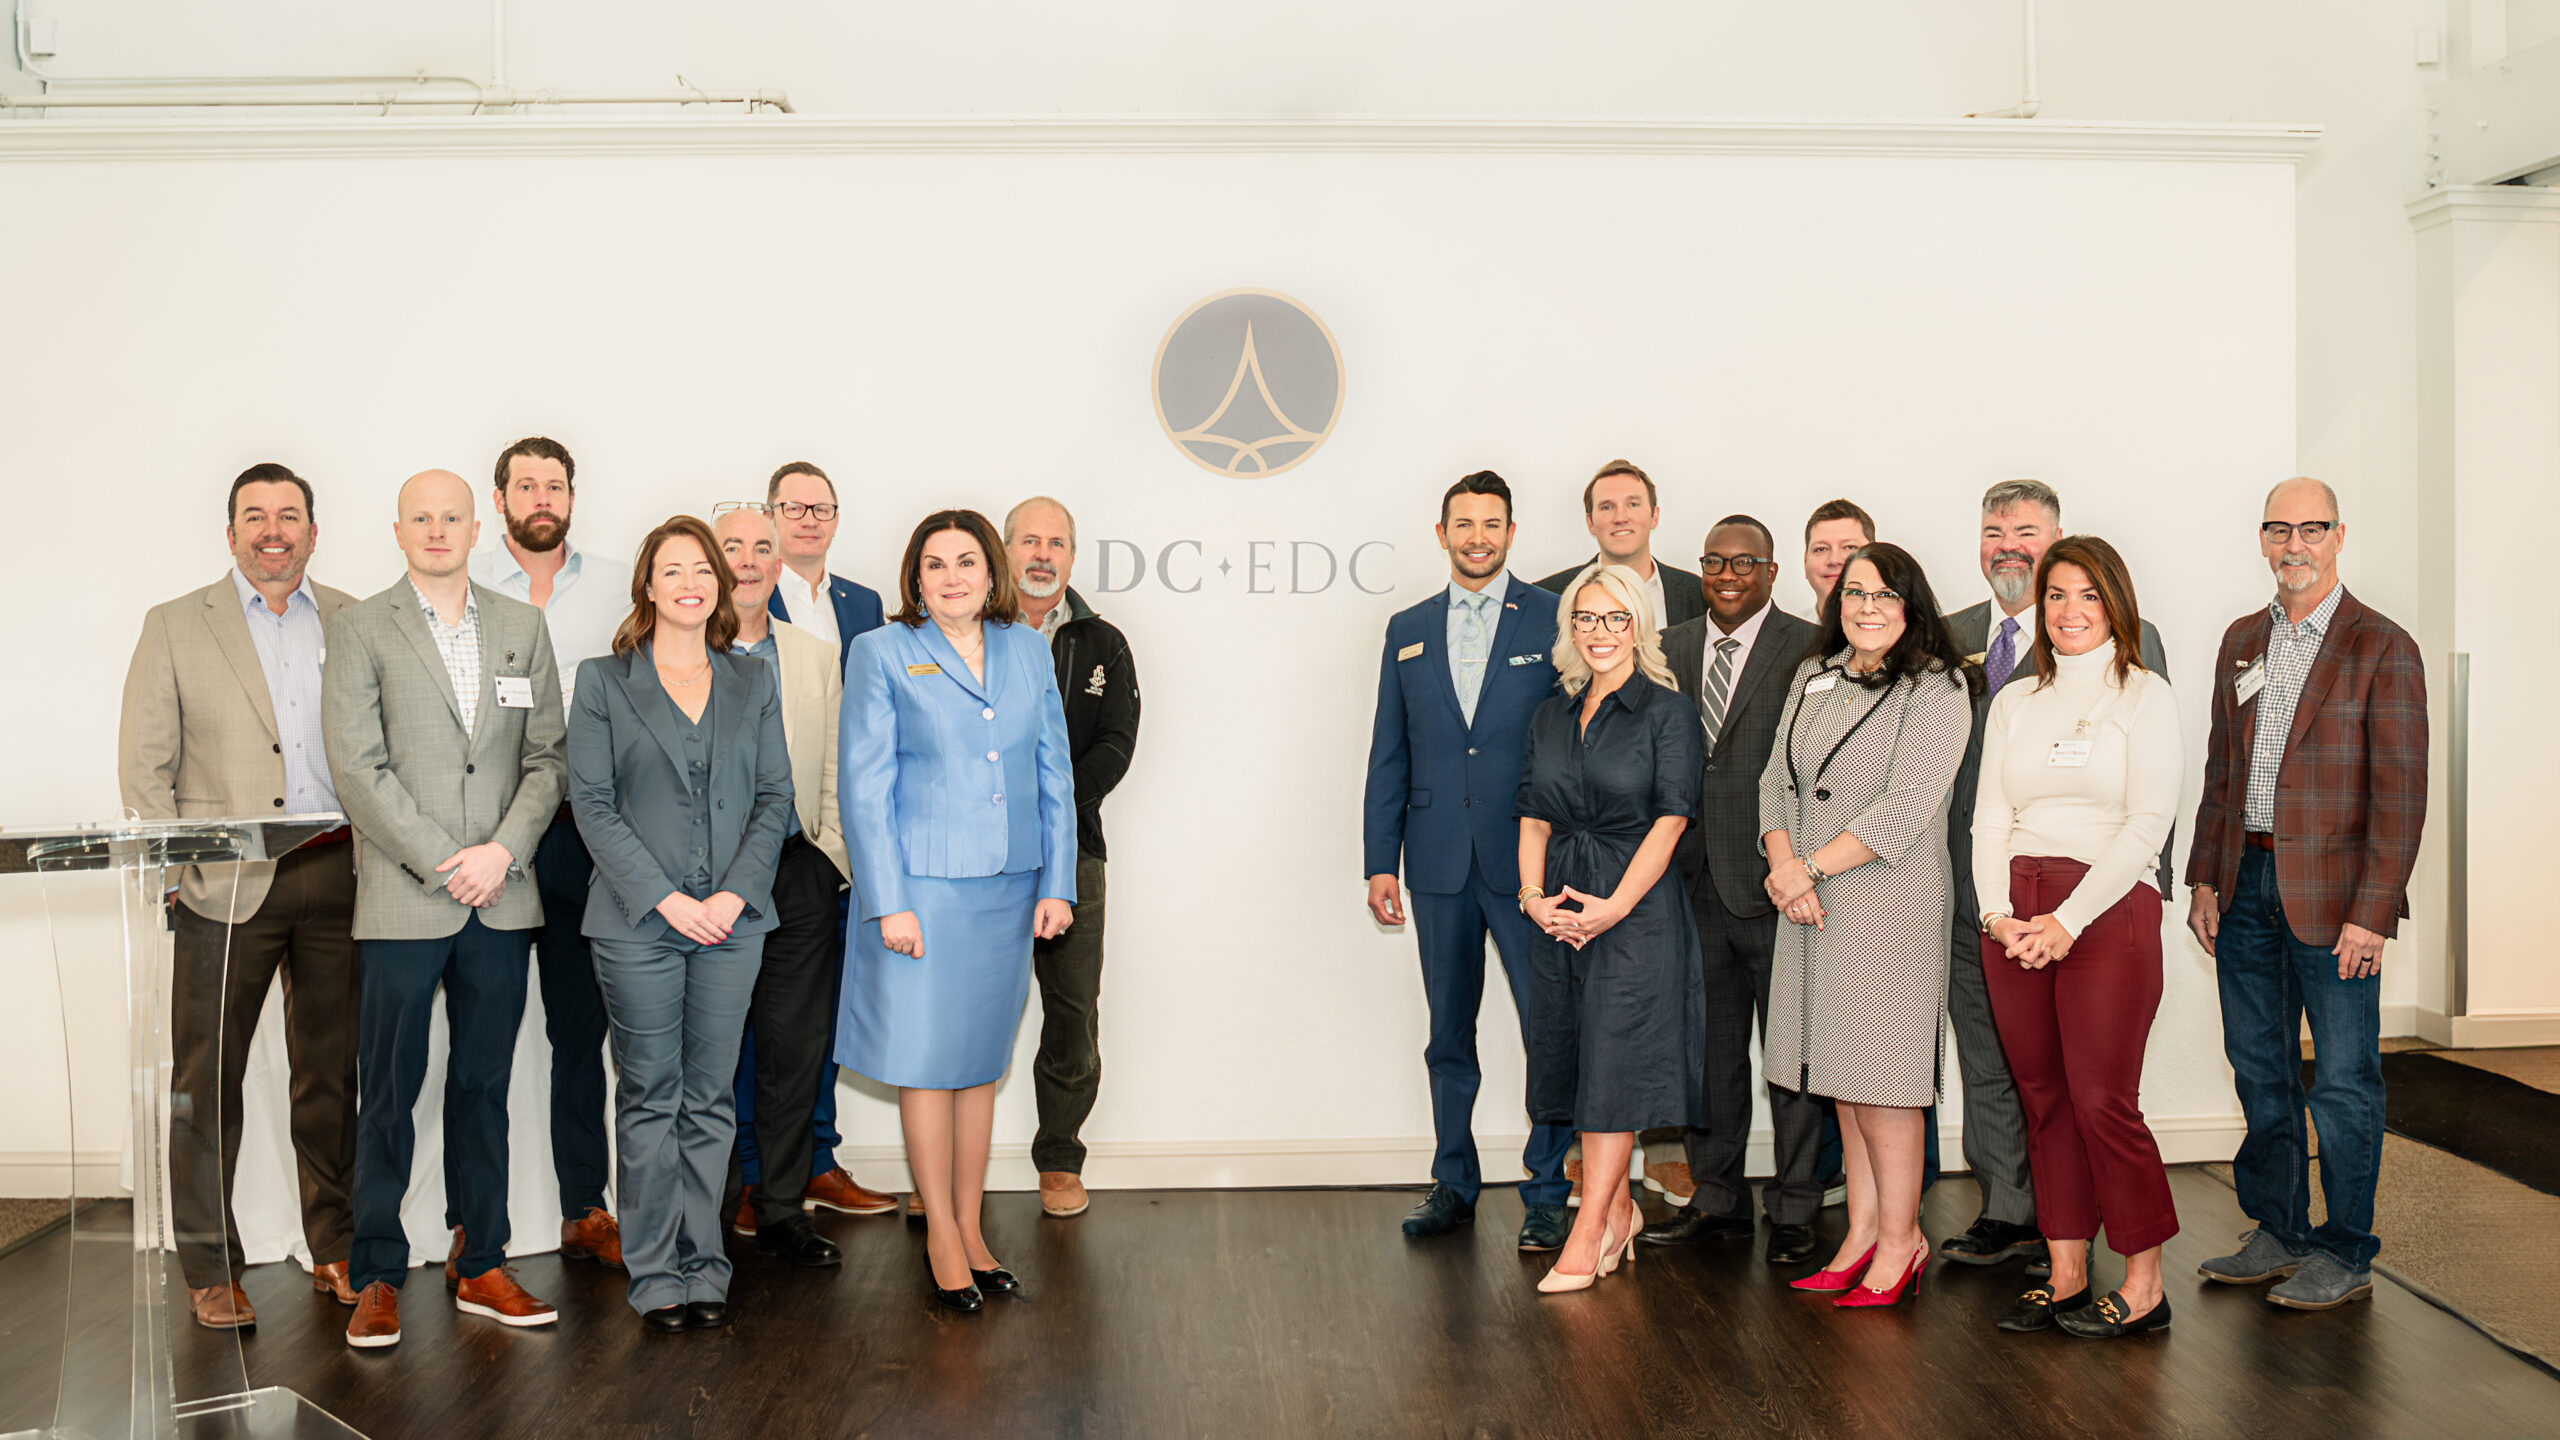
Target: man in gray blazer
x=2020 y=521
x=222 y=718
x=446 y=738
x=1734 y=663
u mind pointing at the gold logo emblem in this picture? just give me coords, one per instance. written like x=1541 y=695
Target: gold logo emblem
x=1248 y=382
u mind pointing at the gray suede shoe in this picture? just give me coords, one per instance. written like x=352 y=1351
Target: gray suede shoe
x=2262 y=1258
x=2322 y=1284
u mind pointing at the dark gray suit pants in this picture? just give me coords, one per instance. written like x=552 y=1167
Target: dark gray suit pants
x=1995 y=1124
x=1737 y=953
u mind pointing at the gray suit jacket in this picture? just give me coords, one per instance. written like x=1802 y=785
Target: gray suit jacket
x=1971 y=627
x=417 y=788
x=1720 y=856
x=635 y=808
x=199 y=732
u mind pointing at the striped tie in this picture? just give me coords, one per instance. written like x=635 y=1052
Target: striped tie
x=1719 y=688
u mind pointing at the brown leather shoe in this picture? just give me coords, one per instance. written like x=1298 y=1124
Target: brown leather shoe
x=745 y=1223
x=593 y=1236
x=376 y=1322
x=331 y=1279
x=498 y=1297
x=1062 y=1193
x=1672 y=1180
x=836 y=1191
x=223 y=1307
x=1573 y=1172
x=452 y=1276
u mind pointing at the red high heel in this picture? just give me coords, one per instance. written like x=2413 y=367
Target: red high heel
x=1832 y=1282
x=1863 y=1298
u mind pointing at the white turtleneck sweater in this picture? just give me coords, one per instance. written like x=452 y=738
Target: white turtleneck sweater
x=2110 y=813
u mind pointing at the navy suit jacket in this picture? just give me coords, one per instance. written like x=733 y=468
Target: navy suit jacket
x=857 y=610
x=1442 y=792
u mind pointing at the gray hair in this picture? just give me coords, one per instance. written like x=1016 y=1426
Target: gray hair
x=2023 y=492
x=1016 y=513
x=2325 y=493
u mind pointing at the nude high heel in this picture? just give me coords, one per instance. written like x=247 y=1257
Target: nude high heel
x=1559 y=1281
x=1623 y=1250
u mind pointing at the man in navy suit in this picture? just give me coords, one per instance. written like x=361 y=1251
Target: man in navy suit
x=1462 y=673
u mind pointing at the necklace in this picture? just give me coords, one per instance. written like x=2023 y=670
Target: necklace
x=687 y=682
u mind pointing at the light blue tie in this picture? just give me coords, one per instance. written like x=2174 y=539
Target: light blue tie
x=1474 y=643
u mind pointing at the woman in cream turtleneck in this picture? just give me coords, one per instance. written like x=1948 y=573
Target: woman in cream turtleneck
x=2080 y=778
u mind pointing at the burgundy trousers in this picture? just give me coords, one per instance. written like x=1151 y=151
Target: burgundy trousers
x=2074 y=1032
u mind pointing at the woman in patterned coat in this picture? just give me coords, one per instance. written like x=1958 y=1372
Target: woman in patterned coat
x=1853 y=814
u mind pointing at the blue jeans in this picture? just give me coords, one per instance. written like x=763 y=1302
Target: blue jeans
x=2270 y=981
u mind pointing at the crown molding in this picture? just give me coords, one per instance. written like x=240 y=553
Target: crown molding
x=2510 y=203
x=156 y=138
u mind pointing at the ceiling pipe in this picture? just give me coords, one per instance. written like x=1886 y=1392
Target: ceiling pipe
x=2026 y=107
x=480 y=97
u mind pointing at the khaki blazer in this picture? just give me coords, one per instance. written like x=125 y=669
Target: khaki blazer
x=812 y=702
x=416 y=787
x=198 y=736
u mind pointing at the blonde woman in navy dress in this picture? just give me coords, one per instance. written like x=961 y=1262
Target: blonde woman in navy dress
x=960 y=820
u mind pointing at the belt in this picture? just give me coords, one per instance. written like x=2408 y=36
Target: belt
x=2261 y=839
x=339 y=836
x=564 y=817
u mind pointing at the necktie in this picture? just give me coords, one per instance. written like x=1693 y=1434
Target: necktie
x=1719 y=689
x=2002 y=662
x=1473 y=644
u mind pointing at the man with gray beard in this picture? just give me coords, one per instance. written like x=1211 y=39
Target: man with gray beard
x=1098 y=683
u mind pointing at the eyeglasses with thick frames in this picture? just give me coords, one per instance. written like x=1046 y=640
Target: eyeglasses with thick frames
x=1852 y=595
x=2313 y=532
x=1618 y=621
x=1742 y=565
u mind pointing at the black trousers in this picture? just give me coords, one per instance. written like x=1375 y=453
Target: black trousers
x=1737 y=953
x=217 y=986
x=1067 y=1075
x=793 y=1019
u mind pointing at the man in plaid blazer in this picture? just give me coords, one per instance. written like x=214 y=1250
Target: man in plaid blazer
x=2315 y=787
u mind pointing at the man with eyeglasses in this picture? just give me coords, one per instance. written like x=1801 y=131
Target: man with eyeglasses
x=1733 y=664
x=2315 y=789
x=1621 y=508
x=583 y=597
x=802 y=501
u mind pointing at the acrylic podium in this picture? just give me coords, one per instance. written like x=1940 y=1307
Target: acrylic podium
x=157 y=1375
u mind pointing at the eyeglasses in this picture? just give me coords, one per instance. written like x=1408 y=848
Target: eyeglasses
x=1618 y=621
x=2312 y=531
x=1742 y=565
x=1852 y=595
x=793 y=510
x=725 y=506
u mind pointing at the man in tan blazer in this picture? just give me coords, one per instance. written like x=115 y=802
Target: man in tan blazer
x=447 y=741
x=785 y=1065
x=222 y=718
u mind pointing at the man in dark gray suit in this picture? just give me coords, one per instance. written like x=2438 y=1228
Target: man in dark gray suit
x=1621 y=509
x=1734 y=664
x=2020 y=520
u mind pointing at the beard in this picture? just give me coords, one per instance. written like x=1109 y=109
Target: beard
x=2012 y=587
x=1491 y=566
x=539 y=532
x=1039 y=589
x=2293 y=576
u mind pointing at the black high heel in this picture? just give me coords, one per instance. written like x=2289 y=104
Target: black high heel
x=998 y=1281
x=968 y=1300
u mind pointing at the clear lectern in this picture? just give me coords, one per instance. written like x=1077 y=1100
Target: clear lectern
x=153 y=1378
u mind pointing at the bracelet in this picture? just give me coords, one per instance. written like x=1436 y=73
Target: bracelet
x=1529 y=893
x=1994 y=918
x=1813 y=872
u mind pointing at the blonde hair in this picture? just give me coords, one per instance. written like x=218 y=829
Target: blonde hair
x=1627 y=588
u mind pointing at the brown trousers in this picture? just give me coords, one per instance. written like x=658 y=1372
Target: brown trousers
x=217 y=986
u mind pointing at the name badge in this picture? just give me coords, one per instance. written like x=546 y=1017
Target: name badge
x=2070 y=754
x=515 y=692
x=1820 y=683
x=2252 y=680
x=1409 y=651
x=1527 y=659
x=925 y=669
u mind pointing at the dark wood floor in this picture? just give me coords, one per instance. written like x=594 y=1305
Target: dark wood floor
x=1305 y=1313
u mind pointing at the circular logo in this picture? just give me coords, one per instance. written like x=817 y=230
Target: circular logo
x=1248 y=382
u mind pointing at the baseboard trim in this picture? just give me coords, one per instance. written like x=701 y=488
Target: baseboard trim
x=2400 y=1020
x=2494 y=1032
x=52 y=1174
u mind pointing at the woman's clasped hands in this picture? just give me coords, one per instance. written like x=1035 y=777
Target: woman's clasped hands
x=1577 y=927
x=2034 y=944
x=1790 y=888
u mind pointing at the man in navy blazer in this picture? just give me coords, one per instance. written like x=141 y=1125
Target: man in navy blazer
x=1462 y=673
x=802 y=501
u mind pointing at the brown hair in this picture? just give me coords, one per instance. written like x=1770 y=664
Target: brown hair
x=1003 y=604
x=773 y=486
x=1840 y=510
x=1619 y=467
x=642 y=622
x=2115 y=596
x=539 y=447
x=272 y=473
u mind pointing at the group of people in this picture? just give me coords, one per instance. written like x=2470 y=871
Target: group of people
x=1676 y=809
x=727 y=810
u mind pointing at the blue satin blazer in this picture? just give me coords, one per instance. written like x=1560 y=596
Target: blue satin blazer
x=942 y=776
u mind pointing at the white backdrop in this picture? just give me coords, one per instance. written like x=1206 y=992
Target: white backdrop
x=1763 y=321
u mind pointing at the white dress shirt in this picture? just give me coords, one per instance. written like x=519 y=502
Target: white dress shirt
x=291 y=647
x=811 y=607
x=590 y=598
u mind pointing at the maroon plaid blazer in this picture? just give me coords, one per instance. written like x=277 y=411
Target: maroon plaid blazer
x=2352 y=793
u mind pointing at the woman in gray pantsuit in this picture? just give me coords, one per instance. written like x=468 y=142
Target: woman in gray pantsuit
x=1853 y=814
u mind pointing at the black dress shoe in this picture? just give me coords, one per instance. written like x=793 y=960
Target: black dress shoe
x=1543 y=1228
x=2107 y=1319
x=2037 y=1309
x=1790 y=1244
x=799 y=1243
x=1991 y=1241
x=2040 y=1268
x=1694 y=1223
x=706 y=1314
x=968 y=1299
x=667 y=1319
x=998 y=1281
x=1440 y=1212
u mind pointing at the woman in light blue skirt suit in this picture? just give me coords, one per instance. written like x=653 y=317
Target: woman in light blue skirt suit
x=960 y=820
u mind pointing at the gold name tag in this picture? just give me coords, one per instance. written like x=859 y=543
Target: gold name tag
x=924 y=669
x=1409 y=651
